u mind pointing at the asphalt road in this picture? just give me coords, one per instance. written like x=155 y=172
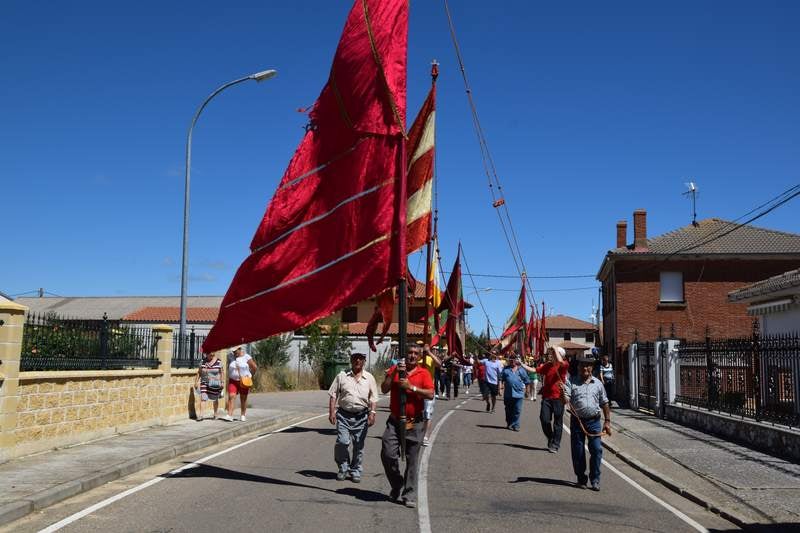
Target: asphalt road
x=480 y=477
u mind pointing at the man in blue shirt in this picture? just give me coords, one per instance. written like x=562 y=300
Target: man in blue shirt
x=515 y=378
x=493 y=370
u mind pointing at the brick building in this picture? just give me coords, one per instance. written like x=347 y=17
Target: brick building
x=679 y=281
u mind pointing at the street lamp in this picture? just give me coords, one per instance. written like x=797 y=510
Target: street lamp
x=259 y=77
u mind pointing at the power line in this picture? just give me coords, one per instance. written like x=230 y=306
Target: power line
x=564 y=289
x=516 y=276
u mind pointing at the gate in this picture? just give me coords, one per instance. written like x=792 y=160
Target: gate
x=646 y=375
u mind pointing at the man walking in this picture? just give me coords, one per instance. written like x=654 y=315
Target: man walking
x=351 y=407
x=551 y=414
x=417 y=383
x=431 y=363
x=515 y=379
x=587 y=396
x=493 y=370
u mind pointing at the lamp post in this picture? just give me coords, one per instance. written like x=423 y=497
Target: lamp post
x=259 y=77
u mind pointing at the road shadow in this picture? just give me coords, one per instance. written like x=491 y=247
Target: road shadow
x=321 y=431
x=763 y=528
x=210 y=471
x=486 y=426
x=319 y=474
x=544 y=481
x=525 y=447
x=474 y=410
x=513 y=445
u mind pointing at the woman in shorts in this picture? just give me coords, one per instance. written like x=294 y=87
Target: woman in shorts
x=241 y=367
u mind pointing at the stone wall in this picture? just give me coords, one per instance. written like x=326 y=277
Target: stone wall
x=774 y=440
x=59 y=408
x=44 y=410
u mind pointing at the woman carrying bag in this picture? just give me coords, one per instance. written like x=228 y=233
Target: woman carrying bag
x=240 y=379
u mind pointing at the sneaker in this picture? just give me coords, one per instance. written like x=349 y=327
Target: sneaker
x=394 y=495
x=355 y=477
x=199 y=418
x=581 y=483
x=409 y=503
x=341 y=475
x=596 y=486
x=551 y=449
x=243 y=419
x=515 y=428
x=426 y=441
x=227 y=418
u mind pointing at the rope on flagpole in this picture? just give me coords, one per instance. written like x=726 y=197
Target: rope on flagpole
x=488 y=164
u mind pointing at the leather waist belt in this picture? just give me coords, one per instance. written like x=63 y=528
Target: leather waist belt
x=353 y=414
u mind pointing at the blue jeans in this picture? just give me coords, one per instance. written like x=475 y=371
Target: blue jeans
x=577 y=440
x=467 y=380
x=350 y=430
x=513 y=411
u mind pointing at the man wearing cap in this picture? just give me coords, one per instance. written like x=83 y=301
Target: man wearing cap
x=353 y=399
x=408 y=376
x=588 y=399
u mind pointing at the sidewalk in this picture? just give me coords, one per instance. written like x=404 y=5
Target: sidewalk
x=37 y=481
x=744 y=486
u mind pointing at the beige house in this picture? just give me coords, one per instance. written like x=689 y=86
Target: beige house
x=576 y=336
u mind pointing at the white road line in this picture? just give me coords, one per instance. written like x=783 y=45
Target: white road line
x=668 y=507
x=423 y=510
x=89 y=510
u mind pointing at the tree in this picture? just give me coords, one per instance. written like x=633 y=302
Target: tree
x=272 y=352
x=477 y=344
x=325 y=343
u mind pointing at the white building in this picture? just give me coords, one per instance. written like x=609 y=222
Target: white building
x=775 y=301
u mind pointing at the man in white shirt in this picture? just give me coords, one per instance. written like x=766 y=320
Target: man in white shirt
x=353 y=400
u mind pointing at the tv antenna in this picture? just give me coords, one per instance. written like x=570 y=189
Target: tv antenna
x=692 y=191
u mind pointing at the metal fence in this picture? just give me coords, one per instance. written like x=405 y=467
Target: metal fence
x=754 y=377
x=192 y=354
x=646 y=374
x=50 y=342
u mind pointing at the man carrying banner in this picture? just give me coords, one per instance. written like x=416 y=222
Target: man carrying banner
x=353 y=399
x=554 y=373
x=409 y=376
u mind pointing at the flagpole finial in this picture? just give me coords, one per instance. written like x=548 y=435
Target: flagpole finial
x=434 y=70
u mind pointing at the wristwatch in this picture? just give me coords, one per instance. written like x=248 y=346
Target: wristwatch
x=373 y=412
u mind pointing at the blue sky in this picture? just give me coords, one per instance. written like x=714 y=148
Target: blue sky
x=591 y=111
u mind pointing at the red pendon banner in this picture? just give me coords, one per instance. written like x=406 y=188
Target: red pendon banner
x=420 y=174
x=332 y=234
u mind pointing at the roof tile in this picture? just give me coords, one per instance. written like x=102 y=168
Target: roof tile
x=717 y=236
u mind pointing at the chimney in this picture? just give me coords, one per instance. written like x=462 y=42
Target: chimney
x=640 y=229
x=622 y=234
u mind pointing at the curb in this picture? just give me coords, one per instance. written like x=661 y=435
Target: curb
x=699 y=499
x=9 y=512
